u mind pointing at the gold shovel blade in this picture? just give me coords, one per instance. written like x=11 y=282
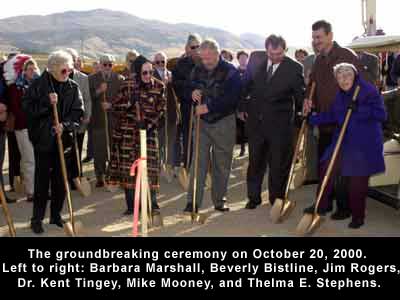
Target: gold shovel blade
x=184 y=179
x=287 y=210
x=276 y=211
x=304 y=224
x=83 y=186
x=70 y=231
x=199 y=218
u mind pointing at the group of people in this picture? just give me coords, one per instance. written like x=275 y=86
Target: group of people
x=260 y=104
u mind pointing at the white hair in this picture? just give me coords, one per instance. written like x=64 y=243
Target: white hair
x=344 y=68
x=210 y=44
x=161 y=53
x=73 y=53
x=59 y=58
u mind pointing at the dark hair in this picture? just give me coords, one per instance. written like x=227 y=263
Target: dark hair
x=227 y=52
x=240 y=53
x=322 y=24
x=300 y=51
x=275 y=41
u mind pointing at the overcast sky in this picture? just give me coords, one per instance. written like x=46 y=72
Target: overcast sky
x=292 y=19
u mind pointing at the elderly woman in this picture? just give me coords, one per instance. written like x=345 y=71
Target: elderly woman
x=149 y=93
x=361 y=154
x=16 y=91
x=53 y=87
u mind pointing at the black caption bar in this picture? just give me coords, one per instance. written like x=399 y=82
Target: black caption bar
x=211 y=265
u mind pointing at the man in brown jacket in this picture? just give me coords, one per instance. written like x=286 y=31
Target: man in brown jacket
x=331 y=54
x=104 y=86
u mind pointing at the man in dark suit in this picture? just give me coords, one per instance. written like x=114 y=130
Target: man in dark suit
x=276 y=89
x=168 y=152
x=370 y=64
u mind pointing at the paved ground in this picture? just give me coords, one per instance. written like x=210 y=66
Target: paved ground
x=101 y=215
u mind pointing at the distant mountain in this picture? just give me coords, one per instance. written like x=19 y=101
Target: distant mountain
x=104 y=31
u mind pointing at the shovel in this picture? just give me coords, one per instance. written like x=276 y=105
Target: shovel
x=183 y=176
x=82 y=184
x=167 y=169
x=110 y=189
x=71 y=228
x=7 y=214
x=282 y=208
x=196 y=217
x=311 y=222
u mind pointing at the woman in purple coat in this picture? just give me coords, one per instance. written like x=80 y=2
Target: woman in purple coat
x=361 y=154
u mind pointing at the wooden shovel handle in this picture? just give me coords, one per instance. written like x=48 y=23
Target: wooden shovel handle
x=63 y=166
x=7 y=213
x=336 y=152
x=302 y=133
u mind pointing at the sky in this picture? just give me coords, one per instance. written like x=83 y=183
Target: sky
x=290 y=18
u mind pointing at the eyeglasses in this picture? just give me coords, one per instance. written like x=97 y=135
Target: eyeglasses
x=66 y=71
x=107 y=65
x=160 y=62
x=194 y=47
x=145 y=73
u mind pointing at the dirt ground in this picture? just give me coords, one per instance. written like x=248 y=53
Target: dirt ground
x=101 y=215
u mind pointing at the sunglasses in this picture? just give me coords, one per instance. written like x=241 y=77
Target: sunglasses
x=107 y=65
x=145 y=73
x=161 y=62
x=194 y=47
x=66 y=71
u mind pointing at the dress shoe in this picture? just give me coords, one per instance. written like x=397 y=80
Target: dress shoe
x=222 y=208
x=128 y=212
x=10 y=200
x=189 y=209
x=340 y=215
x=321 y=211
x=252 y=205
x=37 y=227
x=87 y=160
x=100 y=184
x=356 y=224
x=58 y=222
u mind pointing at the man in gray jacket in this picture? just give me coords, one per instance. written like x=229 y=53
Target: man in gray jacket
x=83 y=81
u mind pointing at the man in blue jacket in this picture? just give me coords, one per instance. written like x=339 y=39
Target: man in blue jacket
x=215 y=88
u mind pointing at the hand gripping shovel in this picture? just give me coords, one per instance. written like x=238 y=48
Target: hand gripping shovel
x=7 y=214
x=196 y=217
x=282 y=208
x=71 y=228
x=82 y=184
x=311 y=222
x=184 y=172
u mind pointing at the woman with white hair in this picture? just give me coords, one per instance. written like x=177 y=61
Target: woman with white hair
x=361 y=154
x=53 y=87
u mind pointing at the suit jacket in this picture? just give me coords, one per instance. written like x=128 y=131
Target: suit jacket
x=275 y=100
x=114 y=84
x=83 y=82
x=173 y=107
x=370 y=64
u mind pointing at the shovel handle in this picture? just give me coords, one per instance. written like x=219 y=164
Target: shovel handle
x=336 y=152
x=190 y=138
x=196 y=162
x=7 y=214
x=106 y=129
x=302 y=136
x=63 y=167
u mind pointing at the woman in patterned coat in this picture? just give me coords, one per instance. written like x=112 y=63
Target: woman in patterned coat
x=149 y=92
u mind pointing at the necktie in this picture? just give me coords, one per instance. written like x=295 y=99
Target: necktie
x=270 y=72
